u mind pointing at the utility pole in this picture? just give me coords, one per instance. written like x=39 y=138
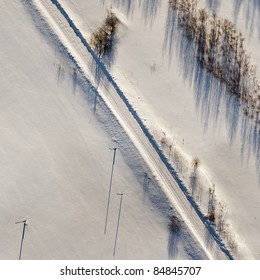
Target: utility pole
x=110 y=187
x=117 y=228
x=24 y=227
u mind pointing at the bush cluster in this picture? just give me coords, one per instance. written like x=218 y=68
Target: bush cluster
x=102 y=39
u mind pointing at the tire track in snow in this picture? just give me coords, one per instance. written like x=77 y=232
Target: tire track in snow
x=110 y=92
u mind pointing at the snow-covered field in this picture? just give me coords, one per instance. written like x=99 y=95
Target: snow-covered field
x=56 y=160
x=58 y=126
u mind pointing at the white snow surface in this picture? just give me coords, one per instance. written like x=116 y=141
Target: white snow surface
x=154 y=82
x=56 y=134
x=56 y=160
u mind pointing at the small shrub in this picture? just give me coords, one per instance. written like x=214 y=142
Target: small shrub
x=175 y=224
x=111 y=22
x=212 y=216
x=196 y=162
x=163 y=141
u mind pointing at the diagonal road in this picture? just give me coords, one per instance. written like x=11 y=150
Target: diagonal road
x=67 y=32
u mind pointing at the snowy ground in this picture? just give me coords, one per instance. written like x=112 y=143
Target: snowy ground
x=56 y=133
x=56 y=162
x=155 y=84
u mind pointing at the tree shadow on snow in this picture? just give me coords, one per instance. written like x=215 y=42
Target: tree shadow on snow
x=126 y=5
x=173 y=241
x=146 y=184
x=74 y=80
x=213 y=99
x=106 y=60
x=150 y=9
x=194 y=181
x=175 y=226
x=251 y=10
x=60 y=72
x=213 y=5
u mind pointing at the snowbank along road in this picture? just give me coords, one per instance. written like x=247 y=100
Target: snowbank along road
x=72 y=39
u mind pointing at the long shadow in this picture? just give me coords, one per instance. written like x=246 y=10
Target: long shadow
x=110 y=187
x=194 y=182
x=146 y=184
x=79 y=81
x=22 y=239
x=107 y=58
x=251 y=11
x=213 y=4
x=60 y=73
x=74 y=80
x=237 y=8
x=250 y=135
x=126 y=5
x=213 y=97
x=175 y=226
x=173 y=241
x=150 y=9
x=171 y=31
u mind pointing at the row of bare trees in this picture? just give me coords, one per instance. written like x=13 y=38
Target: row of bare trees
x=220 y=49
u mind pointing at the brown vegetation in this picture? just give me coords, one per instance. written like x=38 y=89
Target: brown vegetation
x=175 y=224
x=102 y=39
x=220 y=49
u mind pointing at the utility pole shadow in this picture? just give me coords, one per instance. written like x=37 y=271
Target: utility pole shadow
x=118 y=221
x=110 y=187
x=23 y=234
